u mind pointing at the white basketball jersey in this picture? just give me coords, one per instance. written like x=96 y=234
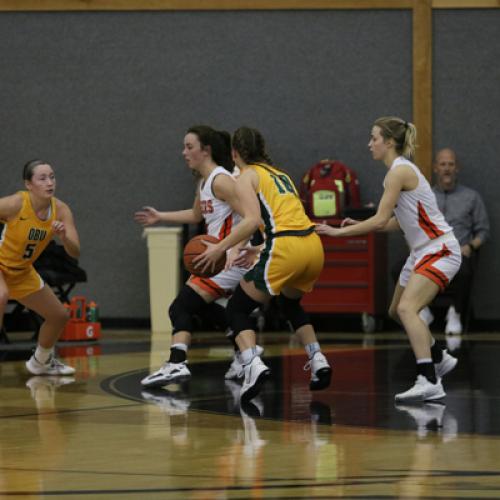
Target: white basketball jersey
x=417 y=211
x=218 y=215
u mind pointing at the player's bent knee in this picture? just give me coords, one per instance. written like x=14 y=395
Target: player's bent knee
x=238 y=311
x=58 y=317
x=405 y=308
x=293 y=312
x=179 y=316
x=393 y=313
x=181 y=311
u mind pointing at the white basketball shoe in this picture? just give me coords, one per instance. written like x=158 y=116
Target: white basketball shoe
x=52 y=367
x=321 y=372
x=235 y=369
x=423 y=390
x=167 y=374
x=256 y=373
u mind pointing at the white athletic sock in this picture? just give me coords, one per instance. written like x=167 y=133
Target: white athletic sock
x=179 y=345
x=42 y=355
x=247 y=355
x=424 y=360
x=312 y=349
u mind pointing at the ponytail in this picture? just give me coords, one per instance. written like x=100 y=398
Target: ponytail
x=403 y=133
x=222 y=155
x=250 y=145
x=410 y=141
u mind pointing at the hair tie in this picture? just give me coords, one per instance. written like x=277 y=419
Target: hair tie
x=406 y=124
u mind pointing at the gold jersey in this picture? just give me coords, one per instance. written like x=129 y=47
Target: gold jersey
x=280 y=205
x=25 y=237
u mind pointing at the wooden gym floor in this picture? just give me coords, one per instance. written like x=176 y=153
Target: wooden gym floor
x=98 y=435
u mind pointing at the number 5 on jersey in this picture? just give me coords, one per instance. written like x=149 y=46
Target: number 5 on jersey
x=28 y=252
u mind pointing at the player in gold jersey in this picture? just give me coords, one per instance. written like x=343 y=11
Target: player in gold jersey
x=31 y=219
x=288 y=266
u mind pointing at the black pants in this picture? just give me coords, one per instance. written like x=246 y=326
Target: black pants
x=460 y=286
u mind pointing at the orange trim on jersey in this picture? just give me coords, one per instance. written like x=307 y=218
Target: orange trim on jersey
x=430 y=229
x=434 y=275
x=425 y=267
x=226 y=227
x=208 y=286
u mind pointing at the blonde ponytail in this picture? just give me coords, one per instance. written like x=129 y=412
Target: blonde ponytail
x=403 y=133
x=410 y=142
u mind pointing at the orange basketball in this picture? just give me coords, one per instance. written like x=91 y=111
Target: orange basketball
x=195 y=247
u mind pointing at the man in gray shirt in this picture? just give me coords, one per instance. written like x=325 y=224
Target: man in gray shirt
x=463 y=208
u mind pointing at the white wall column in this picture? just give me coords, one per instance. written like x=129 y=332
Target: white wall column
x=164 y=254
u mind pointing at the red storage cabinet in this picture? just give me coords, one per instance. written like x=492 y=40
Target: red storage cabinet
x=354 y=277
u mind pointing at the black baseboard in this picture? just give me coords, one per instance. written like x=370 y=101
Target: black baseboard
x=132 y=323
x=484 y=325
x=322 y=322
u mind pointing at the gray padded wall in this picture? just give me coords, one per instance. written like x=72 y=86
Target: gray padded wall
x=466 y=94
x=106 y=98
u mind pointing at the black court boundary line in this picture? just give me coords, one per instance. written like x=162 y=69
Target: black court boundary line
x=362 y=478
x=187 y=476
x=63 y=412
x=338 y=484
x=379 y=474
x=351 y=481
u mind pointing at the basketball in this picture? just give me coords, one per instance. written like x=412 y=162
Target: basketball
x=195 y=247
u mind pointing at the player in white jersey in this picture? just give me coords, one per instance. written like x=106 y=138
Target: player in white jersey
x=219 y=219
x=408 y=203
x=208 y=153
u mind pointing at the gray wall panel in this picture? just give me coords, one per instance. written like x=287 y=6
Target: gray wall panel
x=106 y=97
x=466 y=114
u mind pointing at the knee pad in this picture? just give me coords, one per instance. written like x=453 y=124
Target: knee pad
x=215 y=314
x=181 y=311
x=238 y=311
x=293 y=312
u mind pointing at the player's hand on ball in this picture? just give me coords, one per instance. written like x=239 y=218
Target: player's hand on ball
x=209 y=258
